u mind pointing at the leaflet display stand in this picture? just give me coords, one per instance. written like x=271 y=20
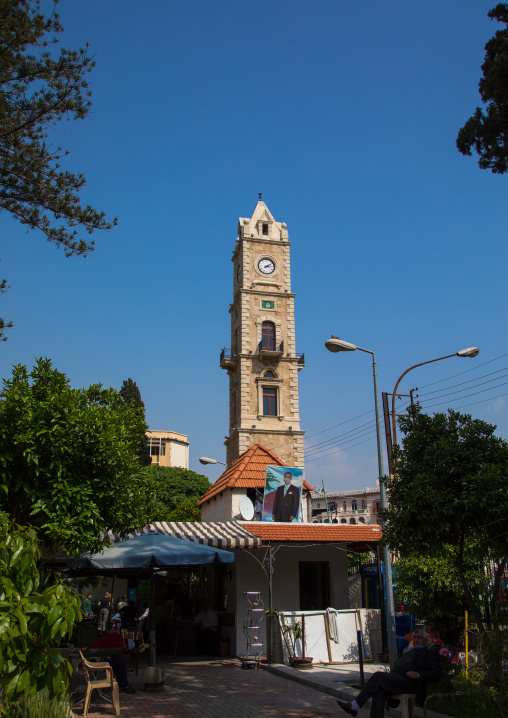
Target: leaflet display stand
x=255 y=613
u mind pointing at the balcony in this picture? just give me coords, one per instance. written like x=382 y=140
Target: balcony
x=273 y=353
x=228 y=358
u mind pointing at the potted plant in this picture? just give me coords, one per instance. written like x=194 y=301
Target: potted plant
x=291 y=633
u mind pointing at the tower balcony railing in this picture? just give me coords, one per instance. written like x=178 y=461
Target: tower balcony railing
x=228 y=357
x=272 y=352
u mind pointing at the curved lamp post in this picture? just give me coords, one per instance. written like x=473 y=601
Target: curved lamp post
x=470 y=352
x=338 y=345
x=206 y=460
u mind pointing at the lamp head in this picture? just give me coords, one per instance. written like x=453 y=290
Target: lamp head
x=338 y=345
x=206 y=460
x=469 y=352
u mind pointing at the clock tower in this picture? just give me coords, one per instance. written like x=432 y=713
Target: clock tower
x=262 y=362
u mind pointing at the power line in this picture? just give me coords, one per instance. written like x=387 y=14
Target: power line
x=459 y=398
x=475 y=368
x=316 y=458
x=341 y=424
x=436 y=391
x=358 y=434
x=334 y=438
x=474 y=387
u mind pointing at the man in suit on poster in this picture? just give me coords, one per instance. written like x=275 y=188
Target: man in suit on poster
x=287 y=500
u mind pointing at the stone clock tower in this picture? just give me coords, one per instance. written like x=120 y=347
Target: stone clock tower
x=262 y=362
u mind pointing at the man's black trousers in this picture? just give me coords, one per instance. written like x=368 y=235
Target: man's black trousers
x=381 y=686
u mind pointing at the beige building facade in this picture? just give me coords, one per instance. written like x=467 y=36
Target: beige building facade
x=347 y=507
x=262 y=361
x=168 y=448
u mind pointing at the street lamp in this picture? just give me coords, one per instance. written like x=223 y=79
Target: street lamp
x=206 y=460
x=469 y=352
x=338 y=345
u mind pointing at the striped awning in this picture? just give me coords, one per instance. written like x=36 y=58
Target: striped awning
x=220 y=534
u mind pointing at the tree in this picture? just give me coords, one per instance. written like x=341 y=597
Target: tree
x=69 y=459
x=449 y=496
x=33 y=621
x=37 y=91
x=175 y=490
x=188 y=510
x=487 y=132
x=430 y=585
x=130 y=394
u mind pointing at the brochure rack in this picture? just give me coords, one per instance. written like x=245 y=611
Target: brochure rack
x=255 y=613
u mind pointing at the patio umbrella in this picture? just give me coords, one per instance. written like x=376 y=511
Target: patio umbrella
x=150 y=550
x=147 y=553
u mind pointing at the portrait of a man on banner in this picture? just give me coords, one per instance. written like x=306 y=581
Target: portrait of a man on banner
x=283 y=494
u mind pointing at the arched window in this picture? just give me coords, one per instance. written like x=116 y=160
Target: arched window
x=268 y=336
x=363 y=504
x=354 y=505
x=344 y=506
x=269 y=401
x=343 y=521
x=361 y=520
x=270 y=374
x=352 y=521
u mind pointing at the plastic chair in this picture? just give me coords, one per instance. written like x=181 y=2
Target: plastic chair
x=93 y=682
x=407 y=701
x=136 y=636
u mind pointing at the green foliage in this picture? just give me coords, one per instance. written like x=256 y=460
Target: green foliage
x=131 y=395
x=467 y=699
x=433 y=591
x=38 y=706
x=487 y=132
x=186 y=511
x=32 y=621
x=172 y=488
x=39 y=89
x=68 y=459
x=449 y=499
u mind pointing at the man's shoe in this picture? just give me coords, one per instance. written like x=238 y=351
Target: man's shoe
x=347 y=707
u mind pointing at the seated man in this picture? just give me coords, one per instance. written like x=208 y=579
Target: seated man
x=410 y=674
x=117 y=663
x=208 y=629
x=129 y=614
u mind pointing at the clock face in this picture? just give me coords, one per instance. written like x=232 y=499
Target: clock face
x=266 y=266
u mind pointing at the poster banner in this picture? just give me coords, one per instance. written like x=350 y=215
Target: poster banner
x=283 y=494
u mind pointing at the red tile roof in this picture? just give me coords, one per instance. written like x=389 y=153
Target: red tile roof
x=317 y=533
x=247 y=471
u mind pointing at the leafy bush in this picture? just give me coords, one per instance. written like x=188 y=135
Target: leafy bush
x=469 y=700
x=32 y=623
x=38 y=706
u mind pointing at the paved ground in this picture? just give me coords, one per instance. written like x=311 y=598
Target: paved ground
x=221 y=689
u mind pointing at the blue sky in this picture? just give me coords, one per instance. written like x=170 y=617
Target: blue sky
x=344 y=115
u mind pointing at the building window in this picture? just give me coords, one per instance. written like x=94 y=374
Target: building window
x=156 y=447
x=363 y=504
x=268 y=336
x=377 y=506
x=265 y=229
x=354 y=505
x=270 y=374
x=269 y=401
x=344 y=506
